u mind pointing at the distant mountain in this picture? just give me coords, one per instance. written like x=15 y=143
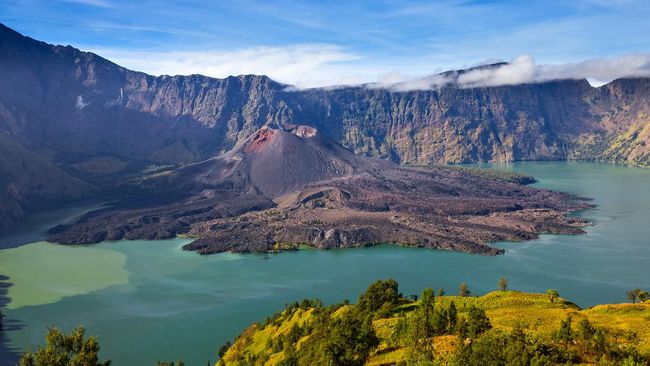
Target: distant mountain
x=105 y=125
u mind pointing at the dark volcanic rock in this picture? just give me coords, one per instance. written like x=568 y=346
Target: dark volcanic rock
x=278 y=189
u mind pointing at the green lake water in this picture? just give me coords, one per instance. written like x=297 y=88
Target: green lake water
x=149 y=301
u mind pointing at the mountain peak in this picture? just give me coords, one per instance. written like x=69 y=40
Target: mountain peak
x=278 y=161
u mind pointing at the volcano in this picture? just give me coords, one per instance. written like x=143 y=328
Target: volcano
x=279 y=189
x=277 y=162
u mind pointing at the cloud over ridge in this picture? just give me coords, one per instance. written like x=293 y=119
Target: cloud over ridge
x=523 y=70
x=326 y=65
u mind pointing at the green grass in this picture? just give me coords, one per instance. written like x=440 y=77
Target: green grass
x=535 y=313
x=254 y=340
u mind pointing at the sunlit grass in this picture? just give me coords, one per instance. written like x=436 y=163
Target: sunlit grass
x=535 y=313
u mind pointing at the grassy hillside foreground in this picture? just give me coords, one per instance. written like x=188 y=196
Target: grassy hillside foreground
x=501 y=327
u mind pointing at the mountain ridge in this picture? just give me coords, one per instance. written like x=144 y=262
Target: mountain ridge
x=105 y=124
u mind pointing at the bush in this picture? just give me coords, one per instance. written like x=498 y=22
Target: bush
x=224 y=348
x=500 y=348
x=378 y=294
x=477 y=322
x=344 y=340
x=64 y=350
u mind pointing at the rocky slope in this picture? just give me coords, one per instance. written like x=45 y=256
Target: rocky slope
x=623 y=134
x=29 y=183
x=280 y=189
x=105 y=124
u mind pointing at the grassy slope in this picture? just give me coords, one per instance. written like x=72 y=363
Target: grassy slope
x=534 y=312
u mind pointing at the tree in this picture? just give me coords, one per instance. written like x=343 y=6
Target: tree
x=477 y=322
x=441 y=292
x=643 y=296
x=418 y=335
x=552 y=294
x=585 y=333
x=428 y=296
x=344 y=340
x=633 y=295
x=294 y=334
x=378 y=294
x=461 y=328
x=585 y=330
x=65 y=350
x=500 y=348
x=503 y=284
x=600 y=344
x=452 y=316
x=440 y=321
x=422 y=318
x=463 y=290
x=290 y=356
x=224 y=348
x=565 y=334
x=416 y=330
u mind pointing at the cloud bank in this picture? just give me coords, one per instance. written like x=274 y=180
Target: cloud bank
x=302 y=65
x=523 y=70
x=326 y=65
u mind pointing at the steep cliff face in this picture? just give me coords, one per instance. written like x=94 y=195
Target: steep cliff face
x=622 y=112
x=72 y=105
x=524 y=122
x=75 y=105
x=101 y=123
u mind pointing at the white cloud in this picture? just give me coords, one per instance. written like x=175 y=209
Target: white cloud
x=400 y=82
x=524 y=70
x=520 y=70
x=600 y=69
x=326 y=65
x=303 y=65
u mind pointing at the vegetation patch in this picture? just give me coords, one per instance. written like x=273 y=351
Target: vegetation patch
x=494 y=174
x=500 y=328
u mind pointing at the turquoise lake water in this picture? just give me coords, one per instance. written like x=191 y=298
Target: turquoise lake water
x=151 y=301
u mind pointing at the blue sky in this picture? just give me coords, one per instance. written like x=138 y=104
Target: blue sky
x=330 y=42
